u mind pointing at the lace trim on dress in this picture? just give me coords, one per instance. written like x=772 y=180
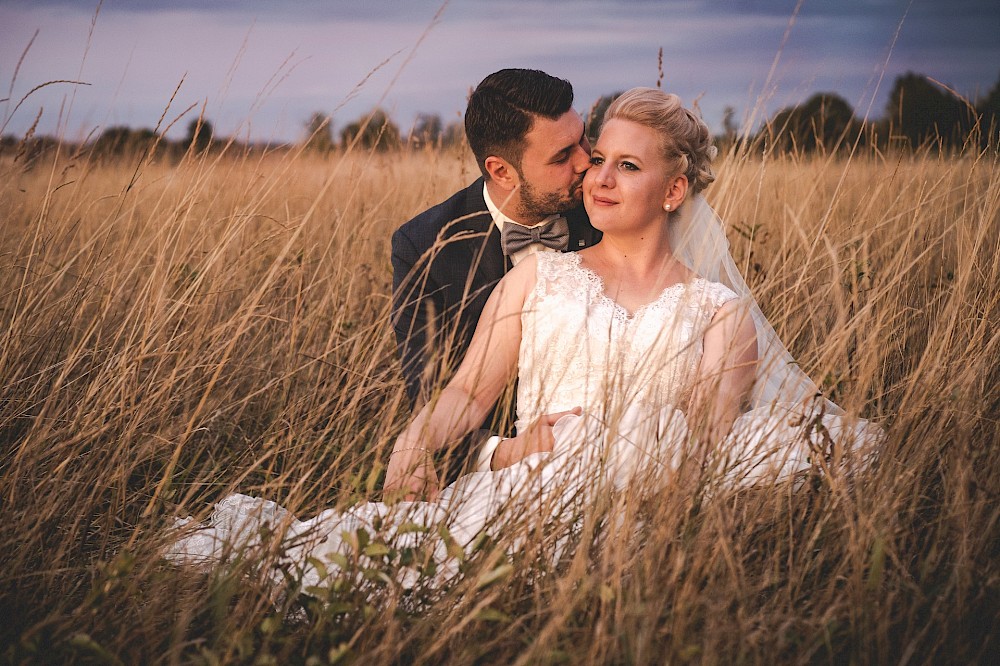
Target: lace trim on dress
x=552 y=279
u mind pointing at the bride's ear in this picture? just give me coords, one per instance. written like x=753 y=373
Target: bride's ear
x=676 y=191
x=502 y=173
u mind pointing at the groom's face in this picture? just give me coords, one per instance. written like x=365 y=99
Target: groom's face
x=556 y=157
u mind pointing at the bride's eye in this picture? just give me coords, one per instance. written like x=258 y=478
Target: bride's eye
x=596 y=161
x=629 y=166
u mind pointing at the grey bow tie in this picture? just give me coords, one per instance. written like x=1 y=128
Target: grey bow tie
x=553 y=234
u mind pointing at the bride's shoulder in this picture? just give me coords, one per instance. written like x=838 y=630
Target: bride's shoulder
x=525 y=275
x=547 y=260
x=548 y=273
x=715 y=293
x=547 y=266
x=522 y=271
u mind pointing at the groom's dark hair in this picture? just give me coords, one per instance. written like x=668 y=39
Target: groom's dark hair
x=503 y=107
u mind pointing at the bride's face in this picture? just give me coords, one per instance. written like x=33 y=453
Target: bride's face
x=628 y=180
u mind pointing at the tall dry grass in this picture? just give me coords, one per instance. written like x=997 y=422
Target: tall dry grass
x=174 y=333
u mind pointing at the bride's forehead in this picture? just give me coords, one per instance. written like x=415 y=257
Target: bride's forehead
x=619 y=134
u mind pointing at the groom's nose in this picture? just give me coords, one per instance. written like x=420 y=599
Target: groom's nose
x=581 y=156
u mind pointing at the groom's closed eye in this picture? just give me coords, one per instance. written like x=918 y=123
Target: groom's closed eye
x=563 y=155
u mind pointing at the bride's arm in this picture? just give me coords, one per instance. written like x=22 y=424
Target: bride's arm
x=726 y=374
x=489 y=364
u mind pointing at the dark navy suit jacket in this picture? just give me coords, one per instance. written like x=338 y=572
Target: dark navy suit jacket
x=445 y=263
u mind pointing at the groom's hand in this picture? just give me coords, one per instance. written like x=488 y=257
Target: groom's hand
x=536 y=438
x=410 y=476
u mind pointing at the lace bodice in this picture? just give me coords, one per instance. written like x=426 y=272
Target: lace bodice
x=580 y=348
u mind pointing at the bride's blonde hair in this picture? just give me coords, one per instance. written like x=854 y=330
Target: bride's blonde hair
x=685 y=138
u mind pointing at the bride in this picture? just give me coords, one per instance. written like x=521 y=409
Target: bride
x=648 y=348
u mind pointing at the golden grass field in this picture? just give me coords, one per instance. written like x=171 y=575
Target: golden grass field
x=170 y=333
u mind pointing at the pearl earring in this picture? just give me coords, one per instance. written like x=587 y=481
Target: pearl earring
x=666 y=206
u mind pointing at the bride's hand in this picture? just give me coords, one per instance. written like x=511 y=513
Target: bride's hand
x=536 y=438
x=411 y=474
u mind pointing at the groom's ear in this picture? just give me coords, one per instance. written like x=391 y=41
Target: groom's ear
x=676 y=191
x=502 y=173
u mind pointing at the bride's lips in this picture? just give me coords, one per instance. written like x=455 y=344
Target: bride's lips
x=601 y=201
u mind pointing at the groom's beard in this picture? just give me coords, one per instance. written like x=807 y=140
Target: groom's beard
x=538 y=205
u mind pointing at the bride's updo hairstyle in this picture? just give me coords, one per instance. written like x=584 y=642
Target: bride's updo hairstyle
x=686 y=141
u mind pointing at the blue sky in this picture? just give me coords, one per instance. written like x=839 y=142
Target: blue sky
x=261 y=67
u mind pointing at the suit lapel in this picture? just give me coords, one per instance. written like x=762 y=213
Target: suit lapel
x=488 y=260
x=493 y=265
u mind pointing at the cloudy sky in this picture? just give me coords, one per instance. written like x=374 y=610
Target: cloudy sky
x=261 y=67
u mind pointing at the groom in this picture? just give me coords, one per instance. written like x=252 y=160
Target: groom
x=533 y=152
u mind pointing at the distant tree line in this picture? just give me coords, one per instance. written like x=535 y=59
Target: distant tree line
x=119 y=140
x=376 y=131
x=919 y=113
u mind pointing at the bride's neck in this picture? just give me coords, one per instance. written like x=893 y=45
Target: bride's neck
x=639 y=254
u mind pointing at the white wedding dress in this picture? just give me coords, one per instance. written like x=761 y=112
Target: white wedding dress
x=632 y=374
